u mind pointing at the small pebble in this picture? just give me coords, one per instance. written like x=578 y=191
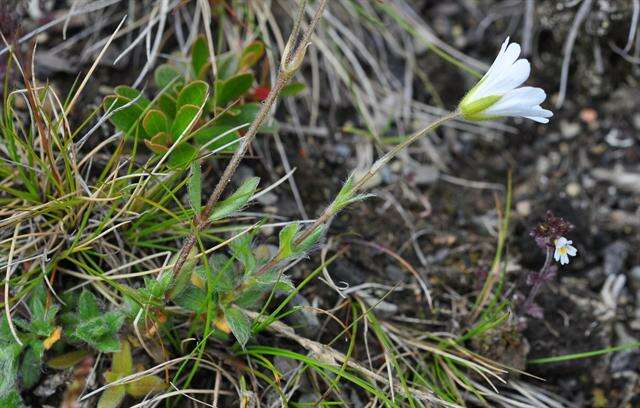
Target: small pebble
x=569 y=129
x=573 y=189
x=523 y=208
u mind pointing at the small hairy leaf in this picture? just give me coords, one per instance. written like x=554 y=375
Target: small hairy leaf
x=87 y=306
x=239 y=323
x=31 y=363
x=112 y=397
x=67 y=360
x=235 y=201
x=122 y=362
x=144 y=386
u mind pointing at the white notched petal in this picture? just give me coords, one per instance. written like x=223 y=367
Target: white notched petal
x=504 y=80
x=510 y=78
x=572 y=250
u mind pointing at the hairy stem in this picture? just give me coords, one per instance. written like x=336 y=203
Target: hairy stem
x=289 y=66
x=539 y=282
x=359 y=185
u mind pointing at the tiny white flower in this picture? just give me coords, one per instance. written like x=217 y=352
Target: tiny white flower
x=564 y=250
x=498 y=93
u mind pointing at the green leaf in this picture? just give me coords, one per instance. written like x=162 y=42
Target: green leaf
x=227 y=66
x=251 y=54
x=122 y=362
x=112 y=397
x=236 y=201
x=250 y=298
x=239 y=323
x=199 y=55
x=185 y=119
x=243 y=115
x=195 y=187
x=233 y=88
x=87 y=306
x=274 y=277
x=133 y=94
x=144 y=386
x=182 y=156
x=166 y=75
x=192 y=298
x=155 y=122
x=311 y=240
x=195 y=93
x=67 y=360
x=223 y=278
x=31 y=364
x=292 y=89
x=168 y=105
x=211 y=136
x=124 y=115
x=159 y=144
x=9 y=368
x=11 y=400
x=288 y=237
x=101 y=332
x=242 y=251
x=287 y=234
x=179 y=283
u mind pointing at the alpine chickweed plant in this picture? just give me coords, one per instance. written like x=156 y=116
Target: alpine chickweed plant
x=114 y=247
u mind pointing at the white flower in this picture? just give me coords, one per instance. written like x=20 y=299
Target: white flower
x=497 y=94
x=564 y=250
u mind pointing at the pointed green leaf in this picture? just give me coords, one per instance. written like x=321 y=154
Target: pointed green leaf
x=236 y=201
x=292 y=89
x=199 y=54
x=88 y=306
x=239 y=323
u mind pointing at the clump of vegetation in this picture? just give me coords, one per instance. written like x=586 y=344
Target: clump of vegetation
x=135 y=271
